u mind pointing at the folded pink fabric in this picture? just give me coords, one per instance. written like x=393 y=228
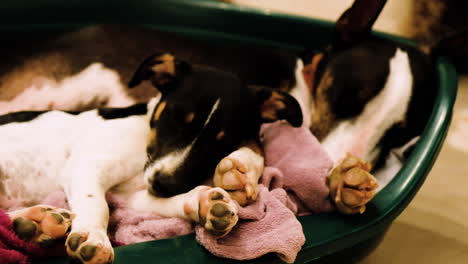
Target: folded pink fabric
x=301 y=162
x=128 y=226
x=277 y=231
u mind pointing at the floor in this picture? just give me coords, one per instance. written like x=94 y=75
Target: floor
x=434 y=227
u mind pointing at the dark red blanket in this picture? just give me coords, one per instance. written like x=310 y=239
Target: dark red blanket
x=15 y=250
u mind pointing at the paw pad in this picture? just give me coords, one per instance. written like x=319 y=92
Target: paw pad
x=217 y=212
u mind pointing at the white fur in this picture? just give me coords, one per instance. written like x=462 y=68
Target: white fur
x=93 y=87
x=213 y=110
x=302 y=94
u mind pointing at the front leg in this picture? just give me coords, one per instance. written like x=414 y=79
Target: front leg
x=210 y=207
x=85 y=187
x=239 y=173
x=351 y=185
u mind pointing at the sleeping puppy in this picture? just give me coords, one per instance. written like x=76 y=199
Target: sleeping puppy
x=154 y=155
x=368 y=96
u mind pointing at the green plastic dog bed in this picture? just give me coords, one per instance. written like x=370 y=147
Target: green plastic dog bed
x=329 y=237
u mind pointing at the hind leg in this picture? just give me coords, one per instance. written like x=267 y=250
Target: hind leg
x=41 y=224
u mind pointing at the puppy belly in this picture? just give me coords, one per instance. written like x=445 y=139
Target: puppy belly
x=22 y=186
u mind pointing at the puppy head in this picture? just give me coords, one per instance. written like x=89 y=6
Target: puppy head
x=203 y=115
x=350 y=72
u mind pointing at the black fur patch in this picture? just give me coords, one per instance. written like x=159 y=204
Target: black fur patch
x=17 y=117
x=25 y=116
x=114 y=113
x=359 y=74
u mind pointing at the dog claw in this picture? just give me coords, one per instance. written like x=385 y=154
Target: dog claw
x=351 y=185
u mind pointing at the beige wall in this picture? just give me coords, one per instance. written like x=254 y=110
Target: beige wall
x=395 y=17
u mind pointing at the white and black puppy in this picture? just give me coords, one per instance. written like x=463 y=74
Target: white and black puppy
x=155 y=155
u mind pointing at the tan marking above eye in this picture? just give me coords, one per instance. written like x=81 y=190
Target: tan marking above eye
x=310 y=70
x=159 y=110
x=167 y=66
x=220 y=135
x=189 y=117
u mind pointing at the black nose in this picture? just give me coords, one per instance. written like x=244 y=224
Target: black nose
x=165 y=185
x=159 y=190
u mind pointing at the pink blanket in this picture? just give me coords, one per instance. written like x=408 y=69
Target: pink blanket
x=17 y=251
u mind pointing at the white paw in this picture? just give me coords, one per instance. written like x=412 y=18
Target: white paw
x=239 y=177
x=90 y=246
x=217 y=212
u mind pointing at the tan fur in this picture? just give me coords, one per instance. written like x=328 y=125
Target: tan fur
x=271 y=106
x=189 y=117
x=167 y=66
x=254 y=145
x=322 y=119
x=220 y=135
x=159 y=110
x=310 y=70
x=152 y=137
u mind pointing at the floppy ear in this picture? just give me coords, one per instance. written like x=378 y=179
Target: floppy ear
x=356 y=23
x=274 y=105
x=162 y=69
